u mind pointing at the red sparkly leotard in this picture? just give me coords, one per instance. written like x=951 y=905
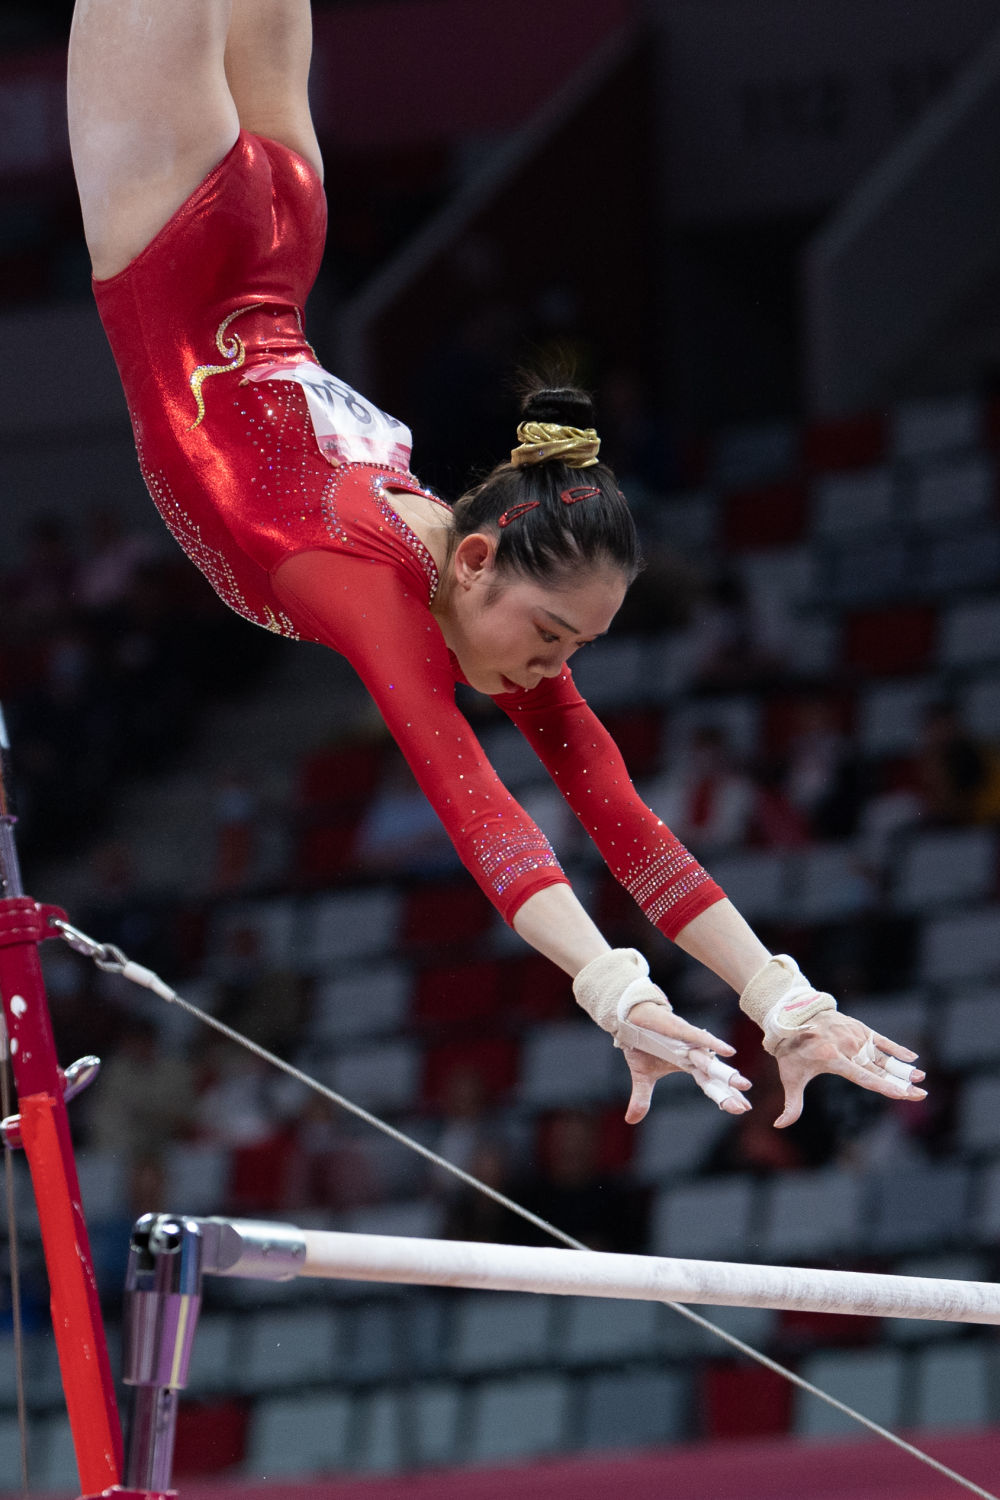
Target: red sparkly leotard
x=206 y=329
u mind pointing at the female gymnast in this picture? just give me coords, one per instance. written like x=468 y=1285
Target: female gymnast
x=200 y=181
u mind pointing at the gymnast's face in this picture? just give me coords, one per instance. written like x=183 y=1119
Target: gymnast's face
x=508 y=631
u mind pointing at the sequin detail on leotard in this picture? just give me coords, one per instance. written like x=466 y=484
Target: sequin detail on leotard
x=382 y=482
x=209 y=560
x=231 y=349
x=506 y=857
x=664 y=881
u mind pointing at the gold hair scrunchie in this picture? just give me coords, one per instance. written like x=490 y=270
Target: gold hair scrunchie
x=576 y=446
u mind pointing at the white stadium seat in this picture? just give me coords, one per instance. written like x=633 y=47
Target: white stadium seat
x=870 y=1380
x=524 y=1417
x=708 y=1219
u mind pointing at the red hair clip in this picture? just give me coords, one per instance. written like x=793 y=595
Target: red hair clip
x=517 y=510
x=581 y=492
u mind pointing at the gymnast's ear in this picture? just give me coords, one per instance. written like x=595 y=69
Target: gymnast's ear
x=473 y=558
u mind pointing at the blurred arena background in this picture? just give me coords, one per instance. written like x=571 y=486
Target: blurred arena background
x=769 y=232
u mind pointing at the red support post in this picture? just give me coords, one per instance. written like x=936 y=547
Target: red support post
x=76 y=1314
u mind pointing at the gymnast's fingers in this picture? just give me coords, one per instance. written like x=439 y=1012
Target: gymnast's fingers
x=897 y=1075
x=879 y=1081
x=657 y=1018
x=894 y=1050
x=642 y=1093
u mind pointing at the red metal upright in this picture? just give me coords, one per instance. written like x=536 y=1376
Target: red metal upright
x=76 y=1314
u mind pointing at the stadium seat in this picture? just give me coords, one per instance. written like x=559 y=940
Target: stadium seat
x=970 y=633
x=889 y=642
x=51 y=1455
x=981 y=706
x=103 y=1188
x=946 y=867
x=984 y=1222
x=634 y=1408
x=197 y=1176
x=569 y=1062
x=809 y=1215
x=213 y=1354
x=510 y=755
x=456 y=994
x=380 y=1432
x=978 y=1126
x=493 y=1060
x=954 y=1387
x=524 y=1417
x=926 y=426
x=273 y=922
x=954 y=489
x=367 y=1002
x=604 y=1330
x=418 y=1218
x=828 y=882
x=288 y=1346
x=852 y=442
x=383 y=1076
x=495 y=1330
x=743 y=1401
x=708 y=1219
x=444 y=916
x=852 y=502
x=611 y=674
x=677 y=1135
x=757 y=882
x=753 y=452
x=963 y=946
x=890 y=715
x=957 y=560
x=968 y=1032
x=871 y=1381
x=437 y=1423
x=349 y=924
x=768 y=515
x=298 y=1435
x=941 y=1189
x=370 y=1349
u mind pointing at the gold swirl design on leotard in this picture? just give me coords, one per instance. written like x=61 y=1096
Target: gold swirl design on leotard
x=230 y=348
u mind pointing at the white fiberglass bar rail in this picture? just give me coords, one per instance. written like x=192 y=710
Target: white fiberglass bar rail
x=255 y=1249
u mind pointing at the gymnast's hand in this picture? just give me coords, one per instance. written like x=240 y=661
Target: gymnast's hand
x=835 y=1043
x=615 y=990
x=664 y=1043
x=807 y=1035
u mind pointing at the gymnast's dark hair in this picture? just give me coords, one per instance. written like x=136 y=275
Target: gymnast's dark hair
x=543 y=537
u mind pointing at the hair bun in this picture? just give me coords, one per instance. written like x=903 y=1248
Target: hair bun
x=565 y=406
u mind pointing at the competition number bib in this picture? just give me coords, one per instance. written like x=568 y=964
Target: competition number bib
x=348 y=428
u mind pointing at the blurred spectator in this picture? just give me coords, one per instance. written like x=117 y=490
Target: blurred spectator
x=145 y=1096
x=707 y=800
x=266 y=1002
x=958 y=777
x=823 y=776
x=470 y=1214
x=236 y=813
x=730 y=640
x=569 y=1188
x=39 y=593
x=114 y=555
x=401 y=833
x=636 y=438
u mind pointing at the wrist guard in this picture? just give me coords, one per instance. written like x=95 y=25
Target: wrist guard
x=609 y=987
x=782 y=1001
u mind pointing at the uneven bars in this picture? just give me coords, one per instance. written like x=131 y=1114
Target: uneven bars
x=277 y=1251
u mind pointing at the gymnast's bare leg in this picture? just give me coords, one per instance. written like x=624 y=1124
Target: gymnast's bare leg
x=158 y=91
